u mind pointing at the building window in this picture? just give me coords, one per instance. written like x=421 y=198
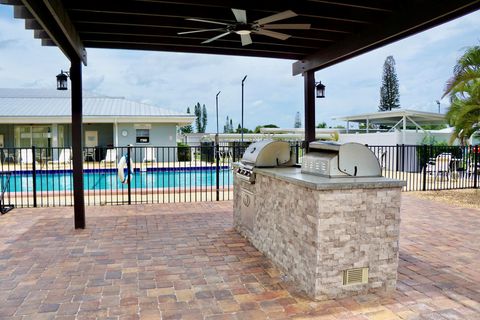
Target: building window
x=33 y=135
x=143 y=135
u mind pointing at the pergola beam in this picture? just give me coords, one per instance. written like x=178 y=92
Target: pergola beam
x=63 y=20
x=32 y=24
x=20 y=12
x=333 y=27
x=54 y=20
x=410 y=18
x=215 y=9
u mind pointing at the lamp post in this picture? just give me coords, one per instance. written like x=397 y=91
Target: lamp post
x=216 y=107
x=438 y=103
x=242 y=107
x=217 y=153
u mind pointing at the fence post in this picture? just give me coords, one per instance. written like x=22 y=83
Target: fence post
x=129 y=175
x=217 y=167
x=397 y=157
x=34 y=177
x=297 y=158
x=424 y=164
x=475 y=150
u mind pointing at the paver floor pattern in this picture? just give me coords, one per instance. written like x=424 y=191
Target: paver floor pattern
x=185 y=261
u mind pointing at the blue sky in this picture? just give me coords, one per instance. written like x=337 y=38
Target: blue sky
x=175 y=81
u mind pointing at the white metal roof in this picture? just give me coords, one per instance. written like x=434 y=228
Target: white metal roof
x=394 y=116
x=53 y=106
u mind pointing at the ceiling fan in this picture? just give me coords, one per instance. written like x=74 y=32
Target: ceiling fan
x=244 y=29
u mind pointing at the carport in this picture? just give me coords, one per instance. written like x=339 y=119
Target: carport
x=326 y=32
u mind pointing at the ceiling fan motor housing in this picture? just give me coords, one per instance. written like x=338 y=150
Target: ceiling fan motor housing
x=242 y=28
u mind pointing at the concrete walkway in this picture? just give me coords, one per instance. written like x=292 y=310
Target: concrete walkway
x=185 y=261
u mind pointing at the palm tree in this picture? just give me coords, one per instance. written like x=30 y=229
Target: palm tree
x=464 y=91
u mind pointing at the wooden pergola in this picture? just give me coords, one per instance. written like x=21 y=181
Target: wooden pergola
x=340 y=29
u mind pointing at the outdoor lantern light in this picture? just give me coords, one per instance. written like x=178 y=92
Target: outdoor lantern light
x=62 y=79
x=320 y=88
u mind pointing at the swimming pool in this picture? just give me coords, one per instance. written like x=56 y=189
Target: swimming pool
x=107 y=179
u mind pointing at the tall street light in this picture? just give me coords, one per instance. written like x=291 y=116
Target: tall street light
x=217 y=153
x=438 y=103
x=216 y=105
x=242 y=105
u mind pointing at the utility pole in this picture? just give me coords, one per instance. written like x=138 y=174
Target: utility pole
x=242 y=106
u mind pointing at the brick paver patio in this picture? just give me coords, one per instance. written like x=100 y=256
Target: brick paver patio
x=185 y=261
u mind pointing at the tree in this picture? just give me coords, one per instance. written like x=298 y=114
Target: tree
x=464 y=90
x=389 y=94
x=298 y=122
x=245 y=130
x=204 y=118
x=322 y=125
x=198 y=117
x=201 y=117
x=187 y=128
x=228 y=127
x=257 y=128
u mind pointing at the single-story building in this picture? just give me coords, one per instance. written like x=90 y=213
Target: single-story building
x=42 y=118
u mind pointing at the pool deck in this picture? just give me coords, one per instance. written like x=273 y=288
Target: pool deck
x=185 y=261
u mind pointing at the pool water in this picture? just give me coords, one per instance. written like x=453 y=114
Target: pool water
x=108 y=180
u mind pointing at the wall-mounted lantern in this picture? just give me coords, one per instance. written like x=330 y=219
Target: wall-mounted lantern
x=320 y=89
x=62 y=80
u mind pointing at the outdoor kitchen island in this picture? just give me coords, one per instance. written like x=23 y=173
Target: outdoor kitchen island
x=332 y=237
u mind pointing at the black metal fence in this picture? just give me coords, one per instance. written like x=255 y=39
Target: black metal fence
x=125 y=175
x=426 y=167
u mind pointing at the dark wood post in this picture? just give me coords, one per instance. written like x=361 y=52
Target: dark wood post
x=77 y=143
x=309 y=91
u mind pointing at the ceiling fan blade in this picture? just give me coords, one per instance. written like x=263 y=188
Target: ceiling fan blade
x=240 y=15
x=276 y=17
x=207 y=21
x=217 y=37
x=246 y=39
x=300 y=26
x=203 y=30
x=273 y=34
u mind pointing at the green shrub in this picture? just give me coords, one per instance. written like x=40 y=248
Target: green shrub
x=184 y=153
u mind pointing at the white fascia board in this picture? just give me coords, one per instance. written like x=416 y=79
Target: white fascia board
x=181 y=121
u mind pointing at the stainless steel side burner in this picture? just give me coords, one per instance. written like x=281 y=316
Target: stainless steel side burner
x=329 y=159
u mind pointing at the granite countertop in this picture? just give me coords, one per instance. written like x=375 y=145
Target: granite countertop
x=293 y=175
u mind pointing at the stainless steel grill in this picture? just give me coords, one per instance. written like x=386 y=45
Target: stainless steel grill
x=333 y=160
x=263 y=154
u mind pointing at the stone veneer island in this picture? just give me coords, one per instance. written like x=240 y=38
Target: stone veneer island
x=315 y=228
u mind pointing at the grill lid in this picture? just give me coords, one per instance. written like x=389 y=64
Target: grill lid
x=267 y=153
x=335 y=160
